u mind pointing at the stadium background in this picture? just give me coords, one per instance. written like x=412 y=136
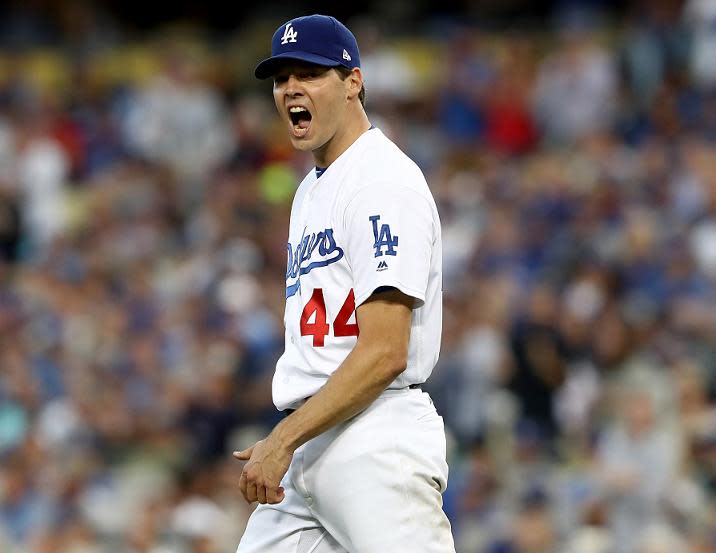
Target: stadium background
x=144 y=193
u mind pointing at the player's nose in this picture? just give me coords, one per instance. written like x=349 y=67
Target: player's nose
x=293 y=86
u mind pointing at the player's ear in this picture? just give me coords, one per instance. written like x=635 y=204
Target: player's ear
x=354 y=83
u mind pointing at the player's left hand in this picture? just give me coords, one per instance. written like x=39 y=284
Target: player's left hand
x=267 y=464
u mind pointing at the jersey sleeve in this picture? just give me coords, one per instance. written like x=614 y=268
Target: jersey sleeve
x=389 y=237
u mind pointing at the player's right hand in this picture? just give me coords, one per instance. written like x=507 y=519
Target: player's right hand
x=261 y=477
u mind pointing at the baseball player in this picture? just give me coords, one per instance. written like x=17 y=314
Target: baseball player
x=358 y=464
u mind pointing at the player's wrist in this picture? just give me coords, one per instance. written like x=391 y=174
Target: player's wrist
x=282 y=438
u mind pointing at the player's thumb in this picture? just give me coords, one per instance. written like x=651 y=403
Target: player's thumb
x=244 y=455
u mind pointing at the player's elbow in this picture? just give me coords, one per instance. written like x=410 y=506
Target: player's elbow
x=392 y=361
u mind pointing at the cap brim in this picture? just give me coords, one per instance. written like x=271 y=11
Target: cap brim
x=270 y=66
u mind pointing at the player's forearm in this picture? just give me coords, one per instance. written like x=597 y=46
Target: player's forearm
x=364 y=374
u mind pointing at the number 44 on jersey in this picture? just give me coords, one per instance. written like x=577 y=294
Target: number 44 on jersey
x=319 y=328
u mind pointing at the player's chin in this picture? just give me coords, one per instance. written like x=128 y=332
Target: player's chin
x=303 y=143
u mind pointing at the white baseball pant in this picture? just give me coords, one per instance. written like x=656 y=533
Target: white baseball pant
x=370 y=485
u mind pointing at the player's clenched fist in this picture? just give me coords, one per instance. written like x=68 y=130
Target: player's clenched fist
x=261 y=478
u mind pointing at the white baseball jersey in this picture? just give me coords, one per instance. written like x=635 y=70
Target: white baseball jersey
x=368 y=221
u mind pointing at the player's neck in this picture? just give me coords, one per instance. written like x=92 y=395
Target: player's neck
x=357 y=124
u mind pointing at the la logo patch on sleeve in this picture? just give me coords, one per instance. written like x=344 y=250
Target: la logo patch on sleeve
x=383 y=238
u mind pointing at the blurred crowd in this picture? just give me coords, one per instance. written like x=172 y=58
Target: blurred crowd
x=145 y=185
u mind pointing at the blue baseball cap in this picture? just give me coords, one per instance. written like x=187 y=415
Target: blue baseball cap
x=316 y=39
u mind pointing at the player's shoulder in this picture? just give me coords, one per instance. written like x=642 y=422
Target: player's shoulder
x=383 y=156
x=384 y=164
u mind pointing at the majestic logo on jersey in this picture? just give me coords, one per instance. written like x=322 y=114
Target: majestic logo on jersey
x=382 y=266
x=289 y=34
x=383 y=238
x=300 y=258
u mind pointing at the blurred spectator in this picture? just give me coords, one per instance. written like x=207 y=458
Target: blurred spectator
x=389 y=75
x=532 y=530
x=180 y=121
x=509 y=124
x=700 y=15
x=469 y=74
x=655 y=49
x=639 y=455
x=10 y=228
x=42 y=171
x=540 y=363
x=576 y=88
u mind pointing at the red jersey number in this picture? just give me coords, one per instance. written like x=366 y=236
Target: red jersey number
x=319 y=328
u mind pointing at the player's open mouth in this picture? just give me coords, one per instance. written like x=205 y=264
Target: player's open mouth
x=301 y=120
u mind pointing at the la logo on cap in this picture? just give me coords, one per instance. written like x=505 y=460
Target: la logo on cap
x=289 y=34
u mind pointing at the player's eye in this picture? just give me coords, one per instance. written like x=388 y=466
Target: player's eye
x=312 y=73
